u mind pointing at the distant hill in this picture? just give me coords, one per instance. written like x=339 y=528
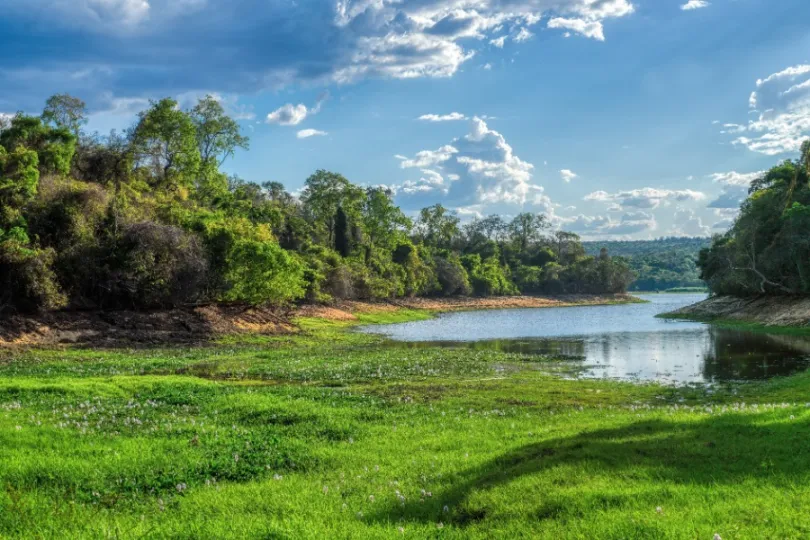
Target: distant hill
x=661 y=264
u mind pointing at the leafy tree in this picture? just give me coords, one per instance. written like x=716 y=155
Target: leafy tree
x=218 y=135
x=438 y=227
x=165 y=140
x=65 y=111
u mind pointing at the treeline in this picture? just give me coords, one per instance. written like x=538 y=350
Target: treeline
x=661 y=264
x=146 y=219
x=767 y=251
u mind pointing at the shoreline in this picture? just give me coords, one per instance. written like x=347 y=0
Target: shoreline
x=202 y=324
x=790 y=315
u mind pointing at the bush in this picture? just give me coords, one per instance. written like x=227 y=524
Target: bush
x=157 y=266
x=27 y=281
x=262 y=272
x=451 y=276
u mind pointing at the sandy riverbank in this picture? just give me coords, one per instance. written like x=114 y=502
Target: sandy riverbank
x=202 y=323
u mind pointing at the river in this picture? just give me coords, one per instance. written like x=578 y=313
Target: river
x=623 y=342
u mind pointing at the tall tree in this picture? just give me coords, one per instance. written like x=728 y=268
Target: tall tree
x=165 y=139
x=218 y=135
x=527 y=228
x=438 y=226
x=64 y=110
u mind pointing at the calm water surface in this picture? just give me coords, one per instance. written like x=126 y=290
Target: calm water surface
x=623 y=342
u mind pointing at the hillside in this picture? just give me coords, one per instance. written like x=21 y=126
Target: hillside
x=660 y=264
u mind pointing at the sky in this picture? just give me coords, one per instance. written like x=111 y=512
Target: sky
x=616 y=118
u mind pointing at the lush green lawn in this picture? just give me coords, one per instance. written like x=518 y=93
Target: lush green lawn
x=331 y=435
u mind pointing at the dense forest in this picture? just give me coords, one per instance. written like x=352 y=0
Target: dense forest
x=661 y=264
x=146 y=219
x=767 y=251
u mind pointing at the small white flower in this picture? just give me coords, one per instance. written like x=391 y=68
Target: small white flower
x=659 y=509
x=717 y=537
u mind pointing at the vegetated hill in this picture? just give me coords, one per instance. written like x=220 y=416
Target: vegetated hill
x=660 y=264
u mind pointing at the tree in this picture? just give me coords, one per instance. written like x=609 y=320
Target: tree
x=65 y=111
x=438 y=226
x=325 y=192
x=165 y=140
x=383 y=222
x=19 y=177
x=55 y=146
x=218 y=135
x=527 y=228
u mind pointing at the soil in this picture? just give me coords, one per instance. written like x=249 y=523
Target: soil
x=764 y=310
x=198 y=325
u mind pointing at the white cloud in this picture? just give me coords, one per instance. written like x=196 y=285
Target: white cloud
x=567 y=175
x=307 y=133
x=288 y=115
x=498 y=42
x=630 y=223
x=590 y=29
x=645 y=197
x=442 y=118
x=695 y=4
x=782 y=104
x=523 y=35
x=735 y=188
x=477 y=169
x=292 y=115
x=687 y=223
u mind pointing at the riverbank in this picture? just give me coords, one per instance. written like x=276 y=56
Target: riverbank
x=204 y=323
x=771 y=313
x=327 y=434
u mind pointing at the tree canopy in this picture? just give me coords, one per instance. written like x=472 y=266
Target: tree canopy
x=767 y=251
x=146 y=219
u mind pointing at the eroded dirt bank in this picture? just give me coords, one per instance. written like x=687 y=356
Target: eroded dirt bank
x=767 y=311
x=200 y=324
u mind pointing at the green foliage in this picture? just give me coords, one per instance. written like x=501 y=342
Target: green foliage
x=660 y=264
x=27 y=281
x=767 y=250
x=147 y=219
x=261 y=272
x=19 y=176
x=165 y=141
x=54 y=146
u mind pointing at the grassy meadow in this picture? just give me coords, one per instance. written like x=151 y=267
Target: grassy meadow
x=330 y=435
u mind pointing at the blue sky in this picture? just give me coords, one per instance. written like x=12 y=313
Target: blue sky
x=617 y=118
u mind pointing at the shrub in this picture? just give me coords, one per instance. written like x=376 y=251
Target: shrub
x=451 y=276
x=27 y=281
x=157 y=266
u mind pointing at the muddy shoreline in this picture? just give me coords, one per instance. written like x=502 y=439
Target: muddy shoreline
x=202 y=323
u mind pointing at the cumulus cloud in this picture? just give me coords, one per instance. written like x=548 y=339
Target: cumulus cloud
x=314 y=42
x=292 y=115
x=630 y=223
x=479 y=168
x=694 y=4
x=687 y=223
x=288 y=115
x=726 y=218
x=307 y=133
x=567 y=175
x=645 y=197
x=781 y=102
x=735 y=188
x=442 y=117
x=591 y=29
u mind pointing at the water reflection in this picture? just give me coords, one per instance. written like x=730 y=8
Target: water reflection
x=624 y=342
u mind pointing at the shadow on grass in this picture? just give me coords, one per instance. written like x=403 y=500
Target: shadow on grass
x=724 y=449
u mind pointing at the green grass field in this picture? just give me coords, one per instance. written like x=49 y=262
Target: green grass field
x=330 y=435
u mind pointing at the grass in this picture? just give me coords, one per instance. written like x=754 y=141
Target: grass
x=742 y=326
x=330 y=435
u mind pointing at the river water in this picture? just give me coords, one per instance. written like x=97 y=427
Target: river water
x=618 y=342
